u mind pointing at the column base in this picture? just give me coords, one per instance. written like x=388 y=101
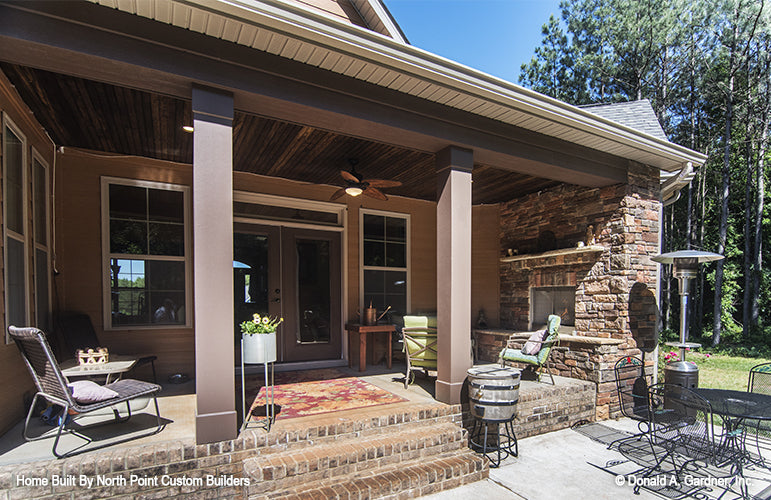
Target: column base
x=448 y=392
x=213 y=427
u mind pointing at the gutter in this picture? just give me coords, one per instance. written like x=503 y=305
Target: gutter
x=368 y=46
x=670 y=188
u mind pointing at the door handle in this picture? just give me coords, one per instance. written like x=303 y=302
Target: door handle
x=277 y=300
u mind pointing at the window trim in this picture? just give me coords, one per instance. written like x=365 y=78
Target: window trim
x=7 y=233
x=106 y=255
x=36 y=156
x=397 y=215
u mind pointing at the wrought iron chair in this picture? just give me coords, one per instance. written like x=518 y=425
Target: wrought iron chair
x=682 y=427
x=760 y=382
x=420 y=346
x=541 y=359
x=632 y=384
x=52 y=386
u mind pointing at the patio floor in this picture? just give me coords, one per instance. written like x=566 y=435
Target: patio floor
x=177 y=406
x=559 y=465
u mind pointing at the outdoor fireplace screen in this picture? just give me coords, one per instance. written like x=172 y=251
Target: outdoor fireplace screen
x=546 y=300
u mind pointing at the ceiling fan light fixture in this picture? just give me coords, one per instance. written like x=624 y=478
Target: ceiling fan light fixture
x=354 y=190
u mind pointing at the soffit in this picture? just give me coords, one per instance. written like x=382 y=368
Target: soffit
x=297 y=33
x=101 y=117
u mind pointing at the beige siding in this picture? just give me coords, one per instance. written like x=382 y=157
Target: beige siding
x=15 y=381
x=485 y=273
x=342 y=10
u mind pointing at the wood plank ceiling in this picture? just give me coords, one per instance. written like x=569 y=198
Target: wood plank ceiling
x=97 y=116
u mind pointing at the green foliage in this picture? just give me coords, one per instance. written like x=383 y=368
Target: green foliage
x=258 y=325
x=705 y=66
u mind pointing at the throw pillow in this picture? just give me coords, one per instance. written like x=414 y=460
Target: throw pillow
x=533 y=344
x=87 y=392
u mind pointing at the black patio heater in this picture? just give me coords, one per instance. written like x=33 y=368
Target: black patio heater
x=686 y=266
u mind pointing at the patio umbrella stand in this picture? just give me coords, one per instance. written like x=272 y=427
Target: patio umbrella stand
x=686 y=267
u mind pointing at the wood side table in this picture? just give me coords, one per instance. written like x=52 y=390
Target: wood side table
x=363 y=331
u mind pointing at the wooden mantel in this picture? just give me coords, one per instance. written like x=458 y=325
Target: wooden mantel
x=561 y=257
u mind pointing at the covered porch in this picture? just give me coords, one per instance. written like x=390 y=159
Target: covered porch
x=271 y=135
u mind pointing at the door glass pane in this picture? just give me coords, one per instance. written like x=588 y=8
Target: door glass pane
x=42 y=308
x=313 y=290
x=250 y=277
x=13 y=150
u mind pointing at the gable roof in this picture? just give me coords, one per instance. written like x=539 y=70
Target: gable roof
x=638 y=115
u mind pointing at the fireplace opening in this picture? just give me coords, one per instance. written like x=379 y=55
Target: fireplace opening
x=546 y=300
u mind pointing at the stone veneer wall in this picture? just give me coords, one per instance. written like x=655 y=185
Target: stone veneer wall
x=615 y=288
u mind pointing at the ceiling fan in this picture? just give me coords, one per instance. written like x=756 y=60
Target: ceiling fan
x=357 y=184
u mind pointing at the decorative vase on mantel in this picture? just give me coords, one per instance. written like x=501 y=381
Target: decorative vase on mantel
x=259 y=339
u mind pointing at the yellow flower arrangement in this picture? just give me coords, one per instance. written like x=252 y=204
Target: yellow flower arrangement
x=258 y=325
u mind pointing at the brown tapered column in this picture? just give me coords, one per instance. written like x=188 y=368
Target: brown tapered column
x=453 y=284
x=215 y=418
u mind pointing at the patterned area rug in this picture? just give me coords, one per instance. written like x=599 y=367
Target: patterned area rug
x=324 y=396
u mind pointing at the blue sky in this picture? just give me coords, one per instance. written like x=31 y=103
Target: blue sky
x=495 y=36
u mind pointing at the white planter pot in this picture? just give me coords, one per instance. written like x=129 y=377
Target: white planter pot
x=259 y=348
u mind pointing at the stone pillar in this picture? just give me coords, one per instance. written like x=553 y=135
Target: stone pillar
x=215 y=418
x=453 y=269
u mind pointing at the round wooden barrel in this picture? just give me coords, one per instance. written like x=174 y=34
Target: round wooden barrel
x=493 y=393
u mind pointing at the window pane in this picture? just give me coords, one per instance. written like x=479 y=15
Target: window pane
x=374 y=227
x=17 y=310
x=40 y=198
x=374 y=282
x=42 y=309
x=165 y=276
x=396 y=229
x=128 y=202
x=128 y=237
x=396 y=255
x=395 y=282
x=147 y=291
x=14 y=194
x=167 y=239
x=374 y=253
x=166 y=206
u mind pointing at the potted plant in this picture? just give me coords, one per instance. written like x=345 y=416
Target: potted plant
x=259 y=339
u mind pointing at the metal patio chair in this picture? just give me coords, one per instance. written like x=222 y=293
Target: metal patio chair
x=681 y=426
x=541 y=359
x=52 y=386
x=760 y=382
x=632 y=384
x=420 y=346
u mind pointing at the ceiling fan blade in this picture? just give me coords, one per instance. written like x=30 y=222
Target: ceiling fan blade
x=337 y=194
x=380 y=183
x=349 y=176
x=375 y=193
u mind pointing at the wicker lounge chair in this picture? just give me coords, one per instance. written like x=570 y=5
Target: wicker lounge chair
x=52 y=386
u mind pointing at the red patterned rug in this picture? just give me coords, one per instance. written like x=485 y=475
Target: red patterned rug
x=324 y=396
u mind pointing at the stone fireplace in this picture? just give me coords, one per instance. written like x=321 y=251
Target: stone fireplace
x=582 y=253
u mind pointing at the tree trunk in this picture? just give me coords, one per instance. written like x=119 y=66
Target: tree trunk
x=760 y=174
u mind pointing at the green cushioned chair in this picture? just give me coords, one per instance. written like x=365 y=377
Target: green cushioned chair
x=419 y=346
x=541 y=358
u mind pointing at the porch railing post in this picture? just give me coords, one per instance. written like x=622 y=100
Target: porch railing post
x=213 y=265
x=453 y=255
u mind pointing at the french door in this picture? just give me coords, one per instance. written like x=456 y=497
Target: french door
x=295 y=274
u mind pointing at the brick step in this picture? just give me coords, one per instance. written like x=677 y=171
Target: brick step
x=343 y=457
x=301 y=433
x=405 y=480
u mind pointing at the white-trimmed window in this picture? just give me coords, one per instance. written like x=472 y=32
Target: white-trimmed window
x=15 y=225
x=40 y=233
x=385 y=257
x=146 y=251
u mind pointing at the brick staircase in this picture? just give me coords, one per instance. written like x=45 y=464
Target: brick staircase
x=404 y=454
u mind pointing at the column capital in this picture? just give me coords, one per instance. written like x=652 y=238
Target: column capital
x=212 y=105
x=455 y=158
